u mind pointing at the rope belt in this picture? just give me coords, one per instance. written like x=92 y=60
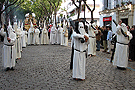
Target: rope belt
x=122 y=43
x=92 y=37
x=8 y=45
x=80 y=51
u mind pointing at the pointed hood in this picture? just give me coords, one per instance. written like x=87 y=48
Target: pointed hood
x=19 y=24
x=15 y=26
x=60 y=23
x=54 y=23
x=10 y=29
x=45 y=24
x=64 y=23
x=31 y=25
x=22 y=27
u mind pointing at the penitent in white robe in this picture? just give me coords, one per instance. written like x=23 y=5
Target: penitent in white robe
x=60 y=34
x=92 y=41
x=79 y=58
x=18 y=42
x=24 y=33
x=36 y=37
x=121 y=52
x=62 y=37
x=44 y=36
x=65 y=36
x=8 y=52
x=30 y=36
x=53 y=35
x=26 y=37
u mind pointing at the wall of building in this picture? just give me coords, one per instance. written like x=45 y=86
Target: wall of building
x=126 y=13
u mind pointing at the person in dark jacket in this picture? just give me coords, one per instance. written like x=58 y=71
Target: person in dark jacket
x=104 y=32
x=132 y=46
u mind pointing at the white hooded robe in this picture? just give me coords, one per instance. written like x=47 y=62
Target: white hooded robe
x=44 y=36
x=8 y=55
x=121 y=52
x=79 y=58
x=92 y=39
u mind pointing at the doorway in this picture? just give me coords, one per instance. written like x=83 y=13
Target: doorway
x=125 y=20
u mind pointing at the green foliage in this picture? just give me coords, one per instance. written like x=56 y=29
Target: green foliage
x=2 y=1
x=40 y=7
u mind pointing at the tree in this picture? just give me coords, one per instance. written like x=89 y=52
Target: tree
x=42 y=8
x=79 y=7
x=55 y=4
x=7 y=4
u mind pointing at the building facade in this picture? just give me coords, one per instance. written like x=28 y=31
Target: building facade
x=70 y=10
x=116 y=10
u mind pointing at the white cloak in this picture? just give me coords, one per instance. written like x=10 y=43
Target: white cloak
x=24 y=33
x=79 y=58
x=44 y=36
x=36 y=37
x=92 y=41
x=53 y=35
x=18 y=42
x=8 y=52
x=59 y=35
x=30 y=36
x=62 y=37
x=121 y=52
x=65 y=36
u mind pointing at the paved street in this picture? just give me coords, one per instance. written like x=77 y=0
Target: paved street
x=46 y=67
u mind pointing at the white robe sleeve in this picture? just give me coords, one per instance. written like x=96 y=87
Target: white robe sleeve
x=130 y=35
x=2 y=33
x=75 y=35
x=13 y=38
x=118 y=29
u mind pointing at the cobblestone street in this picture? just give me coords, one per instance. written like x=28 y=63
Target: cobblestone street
x=47 y=67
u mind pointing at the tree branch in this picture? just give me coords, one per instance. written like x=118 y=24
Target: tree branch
x=50 y=4
x=74 y=3
x=15 y=7
x=86 y=5
x=9 y=6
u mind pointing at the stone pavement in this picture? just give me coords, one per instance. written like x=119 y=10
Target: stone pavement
x=46 y=67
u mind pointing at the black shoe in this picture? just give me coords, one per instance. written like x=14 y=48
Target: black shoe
x=12 y=68
x=97 y=50
x=7 y=69
x=121 y=68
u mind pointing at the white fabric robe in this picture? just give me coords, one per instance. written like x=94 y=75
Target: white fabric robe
x=121 y=52
x=36 y=37
x=59 y=36
x=62 y=37
x=24 y=33
x=30 y=36
x=92 y=39
x=18 y=42
x=44 y=36
x=26 y=37
x=53 y=35
x=65 y=36
x=8 y=57
x=79 y=58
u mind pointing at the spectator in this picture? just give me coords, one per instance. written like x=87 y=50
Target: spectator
x=132 y=46
x=105 y=32
x=109 y=39
x=98 y=38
